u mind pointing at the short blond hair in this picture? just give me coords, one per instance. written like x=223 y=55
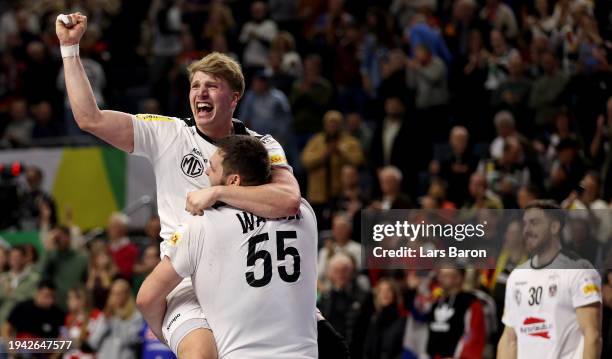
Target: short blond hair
x=221 y=66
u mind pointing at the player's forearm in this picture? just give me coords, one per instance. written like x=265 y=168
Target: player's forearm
x=272 y=200
x=592 y=345
x=82 y=100
x=506 y=349
x=153 y=312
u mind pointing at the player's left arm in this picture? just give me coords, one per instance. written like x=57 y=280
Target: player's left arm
x=151 y=299
x=279 y=198
x=589 y=320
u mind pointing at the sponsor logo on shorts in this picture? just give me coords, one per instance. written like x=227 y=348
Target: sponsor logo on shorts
x=172 y=321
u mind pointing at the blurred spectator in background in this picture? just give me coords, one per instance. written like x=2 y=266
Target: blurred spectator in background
x=100 y=275
x=4 y=256
x=39 y=75
x=601 y=148
x=567 y=170
x=64 y=266
x=38 y=317
x=18 y=131
x=346 y=305
x=395 y=136
x=586 y=199
x=547 y=90
x=284 y=13
x=507 y=174
x=480 y=195
x=290 y=60
x=310 y=99
x=437 y=191
x=220 y=22
x=147 y=263
x=498 y=59
x=457 y=168
x=323 y=158
x=18 y=283
x=351 y=198
x=385 y=333
x=116 y=334
x=278 y=78
x=526 y=194
x=377 y=43
x=505 y=126
x=563 y=128
x=456 y=320
x=427 y=75
x=265 y=109
x=46 y=125
x=355 y=127
x=346 y=71
x=501 y=17
x=122 y=250
x=256 y=36
x=32 y=198
x=392 y=196
x=80 y=321
x=341 y=242
x=467 y=83
x=513 y=92
x=165 y=20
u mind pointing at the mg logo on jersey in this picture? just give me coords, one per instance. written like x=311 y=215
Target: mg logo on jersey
x=192 y=166
x=536 y=327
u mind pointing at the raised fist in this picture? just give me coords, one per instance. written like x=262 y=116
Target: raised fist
x=70 y=28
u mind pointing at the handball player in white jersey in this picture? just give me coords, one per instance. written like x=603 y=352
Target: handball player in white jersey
x=179 y=150
x=256 y=278
x=553 y=300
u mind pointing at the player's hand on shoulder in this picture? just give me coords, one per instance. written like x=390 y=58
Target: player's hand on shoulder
x=199 y=200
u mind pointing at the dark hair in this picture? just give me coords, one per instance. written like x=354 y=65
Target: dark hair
x=532 y=189
x=46 y=283
x=551 y=209
x=247 y=157
x=20 y=248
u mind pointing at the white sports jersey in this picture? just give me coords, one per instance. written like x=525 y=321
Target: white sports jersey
x=179 y=153
x=541 y=306
x=256 y=279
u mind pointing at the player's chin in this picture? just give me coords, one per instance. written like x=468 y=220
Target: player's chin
x=204 y=118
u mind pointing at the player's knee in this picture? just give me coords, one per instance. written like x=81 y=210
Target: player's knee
x=198 y=344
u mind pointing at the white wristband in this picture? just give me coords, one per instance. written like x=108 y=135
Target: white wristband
x=70 y=51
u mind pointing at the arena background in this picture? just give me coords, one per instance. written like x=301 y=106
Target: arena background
x=378 y=104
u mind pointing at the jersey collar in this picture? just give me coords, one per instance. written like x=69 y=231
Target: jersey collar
x=238 y=129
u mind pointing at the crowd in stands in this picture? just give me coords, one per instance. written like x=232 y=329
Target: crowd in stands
x=386 y=104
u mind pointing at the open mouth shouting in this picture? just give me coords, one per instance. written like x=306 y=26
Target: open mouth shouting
x=203 y=108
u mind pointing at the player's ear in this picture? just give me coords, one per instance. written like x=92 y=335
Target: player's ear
x=555 y=227
x=235 y=98
x=232 y=180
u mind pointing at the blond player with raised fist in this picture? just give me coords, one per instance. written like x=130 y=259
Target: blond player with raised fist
x=179 y=151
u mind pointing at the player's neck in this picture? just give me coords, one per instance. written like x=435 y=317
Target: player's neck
x=217 y=131
x=548 y=254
